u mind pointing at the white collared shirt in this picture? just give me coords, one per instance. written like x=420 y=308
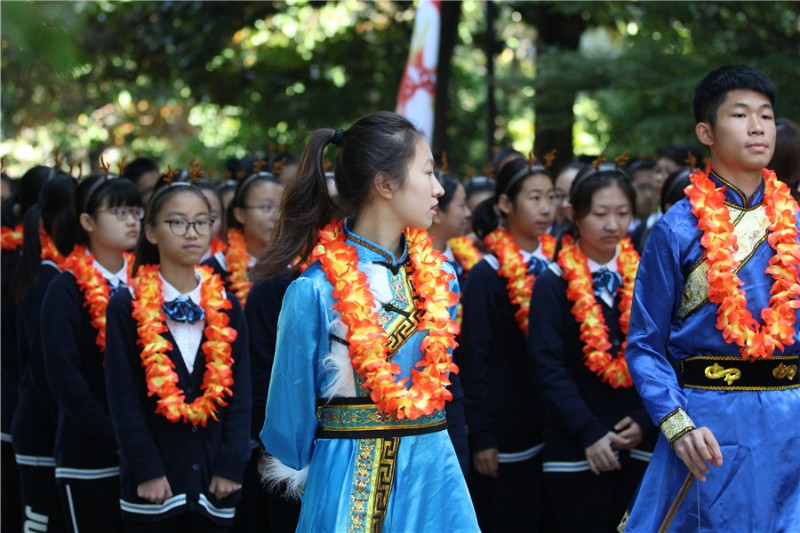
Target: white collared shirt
x=114 y=278
x=526 y=257
x=187 y=336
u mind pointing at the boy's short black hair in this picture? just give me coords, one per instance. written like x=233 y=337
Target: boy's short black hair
x=139 y=167
x=711 y=92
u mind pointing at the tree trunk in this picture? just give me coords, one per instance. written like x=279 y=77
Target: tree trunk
x=450 y=15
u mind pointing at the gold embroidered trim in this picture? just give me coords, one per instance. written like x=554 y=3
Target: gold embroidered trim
x=785 y=371
x=750 y=228
x=676 y=424
x=717 y=371
x=383 y=482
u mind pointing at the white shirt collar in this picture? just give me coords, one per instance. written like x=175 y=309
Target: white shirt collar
x=594 y=266
x=170 y=293
x=114 y=278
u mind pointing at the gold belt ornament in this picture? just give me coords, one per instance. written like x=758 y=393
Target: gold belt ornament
x=729 y=375
x=785 y=371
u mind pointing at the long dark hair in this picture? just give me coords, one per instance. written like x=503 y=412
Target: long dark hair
x=450 y=185
x=53 y=200
x=147 y=252
x=383 y=142
x=487 y=217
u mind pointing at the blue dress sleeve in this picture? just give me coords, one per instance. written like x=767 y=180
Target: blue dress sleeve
x=656 y=301
x=290 y=421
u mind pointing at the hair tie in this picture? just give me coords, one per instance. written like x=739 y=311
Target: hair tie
x=337 y=138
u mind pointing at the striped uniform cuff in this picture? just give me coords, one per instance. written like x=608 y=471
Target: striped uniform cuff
x=675 y=425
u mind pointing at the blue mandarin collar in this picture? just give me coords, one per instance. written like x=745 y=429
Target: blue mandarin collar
x=734 y=196
x=368 y=251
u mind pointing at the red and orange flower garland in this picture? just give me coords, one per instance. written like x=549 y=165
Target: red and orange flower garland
x=10 y=238
x=465 y=252
x=734 y=320
x=587 y=312
x=95 y=288
x=368 y=341
x=238 y=259
x=513 y=268
x=217 y=246
x=160 y=372
x=49 y=251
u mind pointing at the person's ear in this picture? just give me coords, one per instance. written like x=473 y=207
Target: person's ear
x=505 y=204
x=150 y=234
x=705 y=133
x=87 y=223
x=569 y=212
x=383 y=186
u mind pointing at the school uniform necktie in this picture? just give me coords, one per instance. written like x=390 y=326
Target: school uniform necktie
x=182 y=309
x=606 y=280
x=536 y=265
x=116 y=286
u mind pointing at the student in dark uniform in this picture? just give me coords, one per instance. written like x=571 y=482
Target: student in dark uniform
x=504 y=414
x=596 y=430
x=251 y=217
x=450 y=225
x=106 y=215
x=179 y=378
x=13 y=213
x=34 y=426
x=261 y=508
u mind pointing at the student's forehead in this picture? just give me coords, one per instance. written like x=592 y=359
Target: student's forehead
x=746 y=97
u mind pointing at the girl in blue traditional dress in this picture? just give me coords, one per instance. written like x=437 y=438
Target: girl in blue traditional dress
x=355 y=418
x=595 y=446
x=718 y=290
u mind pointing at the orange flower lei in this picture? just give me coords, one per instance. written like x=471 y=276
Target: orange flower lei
x=367 y=339
x=587 y=312
x=465 y=252
x=217 y=246
x=95 y=288
x=10 y=238
x=49 y=250
x=237 y=259
x=734 y=320
x=513 y=268
x=159 y=368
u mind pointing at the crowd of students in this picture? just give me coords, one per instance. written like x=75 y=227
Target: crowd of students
x=390 y=347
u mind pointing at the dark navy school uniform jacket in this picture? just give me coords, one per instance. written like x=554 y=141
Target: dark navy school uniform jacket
x=502 y=407
x=152 y=446
x=85 y=447
x=34 y=425
x=581 y=409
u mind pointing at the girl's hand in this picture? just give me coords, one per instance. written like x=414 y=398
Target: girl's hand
x=222 y=487
x=601 y=454
x=486 y=462
x=155 y=490
x=628 y=429
x=697 y=448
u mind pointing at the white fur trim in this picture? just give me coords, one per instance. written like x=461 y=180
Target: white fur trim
x=282 y=479
x=378 y=282
x=337 y=363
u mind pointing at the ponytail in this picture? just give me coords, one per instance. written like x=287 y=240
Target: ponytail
x=306 y=206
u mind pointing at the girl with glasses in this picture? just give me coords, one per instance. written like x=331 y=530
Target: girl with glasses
x=105 y=218
x=178 y=373
x=251 y=217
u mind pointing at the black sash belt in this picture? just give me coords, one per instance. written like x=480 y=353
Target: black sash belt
x=736 y=374
x=359 y=418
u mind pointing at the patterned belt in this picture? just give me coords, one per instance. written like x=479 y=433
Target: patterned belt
x=359 y=418
x=736 y=374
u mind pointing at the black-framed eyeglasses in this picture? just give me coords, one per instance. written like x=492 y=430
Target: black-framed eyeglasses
x=122 y=213
x=181 y=227
x=266 y=209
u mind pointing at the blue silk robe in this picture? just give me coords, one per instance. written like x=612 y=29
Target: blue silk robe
x=757 y=488
x=338 y=478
